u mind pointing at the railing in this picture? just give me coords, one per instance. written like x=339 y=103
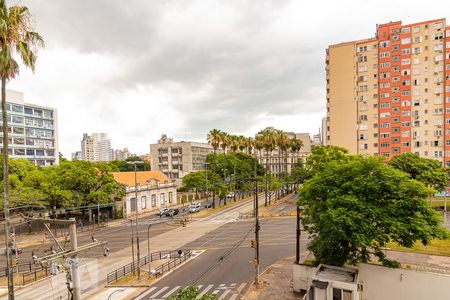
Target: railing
x=172 y=263
x=129 y=268
x=35 y=275
x=25 y=267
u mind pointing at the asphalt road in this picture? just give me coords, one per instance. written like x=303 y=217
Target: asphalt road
x=225 y=267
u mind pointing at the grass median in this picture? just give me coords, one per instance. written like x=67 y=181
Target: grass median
x=439 y=247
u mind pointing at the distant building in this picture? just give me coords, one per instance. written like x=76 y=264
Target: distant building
x=279 y=162
x=96 y=147
x=121 y=154
x=154 y=191
x=176 y=159
x=33 y=131
x=76 y=155
x=316 y=140
x=324 y=131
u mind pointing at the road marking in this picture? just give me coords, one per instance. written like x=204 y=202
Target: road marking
x=205 y=291
x=239 y=289
x=171 y=291
x=146 y=293
x=227 y=291
x=159 y=292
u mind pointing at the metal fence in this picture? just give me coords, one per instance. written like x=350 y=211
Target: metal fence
x=22 y=268
x=172 y=263
x=129 y=268
x=35 y=275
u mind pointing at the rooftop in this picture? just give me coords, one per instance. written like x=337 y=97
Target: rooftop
x=142 y=177
x=332 y=273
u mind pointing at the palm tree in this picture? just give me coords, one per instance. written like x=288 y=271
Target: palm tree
x=224 y=141
x=213 y=138
x=249 y=143
x=282 y=141
x=233 y=142
x=16 y=38
x=269 y=144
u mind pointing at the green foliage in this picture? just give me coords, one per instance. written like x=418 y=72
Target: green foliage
x=191 y=293
x=355 y=205
x=429 y=171
x=300 y=173
x=69 y=184
x=124 y=166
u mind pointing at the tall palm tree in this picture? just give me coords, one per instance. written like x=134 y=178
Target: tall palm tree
x=242 y=143
x=213 y=138
x=224 y=141
x=282 y=141
x=233 y=142
x=249 y=143
x=269 y=144
x=17 y=37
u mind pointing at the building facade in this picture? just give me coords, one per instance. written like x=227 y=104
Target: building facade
x=121 y=154
x=96 y=147
x=154 y=191
x=33 y=131
x=176 y=159
x=390 y=94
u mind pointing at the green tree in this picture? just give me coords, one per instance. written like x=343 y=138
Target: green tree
x=191 y=293
x=355 y=206
x=322 y=155
x=429 y=171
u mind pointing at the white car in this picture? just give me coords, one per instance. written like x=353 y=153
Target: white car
x=195 y=207
x=230 y=195
x=162 y=212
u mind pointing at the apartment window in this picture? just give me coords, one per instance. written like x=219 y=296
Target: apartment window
x=439 y=36
x=384 y=75
x=396 y=89
x=438 y=132
x=363 y=136
x=384 y=135
x=384 y=54
x=438 y=101
x=438 y=111
x=385 y=115
x=395 y=58
x=406 y=30
x=395 y=140
x=363 y=117
x=406 y=61
x=363 y=98
x=396 y=110
x=384 y=95
x=362 y=78
x=363 y=127
x=417 y=50
x=362 y=58
x=406 y=93
x=363 y=88
x=170 y=197
x=416 y=81
x=417 y=39
x=384 y=105
x=405 y=144
x=154 y=200
x=362 y=68
x=406 y=123
x=406 y=51
x=438 y=153
x=406 y=41
x=416 y=102
x=405 y=133
x=396 y=79
x=384 y=85
x=395 y=48
x=143 y=202
x=406 y=72
x=406 y=113
x=385 y=65
x=384 y=125
x=406 y=82
x=384 y=44
x=362 y=48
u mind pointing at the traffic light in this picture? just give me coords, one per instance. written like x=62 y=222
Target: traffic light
x=255 y=262
x=253 y=243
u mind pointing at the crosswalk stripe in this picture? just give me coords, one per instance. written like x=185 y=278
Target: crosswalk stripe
x=146 y=293
x=205 y=291
x=238 y=291
x=171 y=291
x=227 y=291
x=159 y=292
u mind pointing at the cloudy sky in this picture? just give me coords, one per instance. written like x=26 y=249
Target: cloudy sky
x=139 y=68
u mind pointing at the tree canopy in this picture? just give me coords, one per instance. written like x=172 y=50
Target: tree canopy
x=355 y=205
x=191 y=293
x=429 y=171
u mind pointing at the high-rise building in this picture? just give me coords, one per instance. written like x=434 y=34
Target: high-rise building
x=96 y=147
x=121 y=154
x=390 y=94
x=33 y=131
x=176 y=159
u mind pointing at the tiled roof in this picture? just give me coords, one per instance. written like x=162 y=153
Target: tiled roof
x=142 y=177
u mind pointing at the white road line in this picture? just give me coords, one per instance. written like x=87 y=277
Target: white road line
x=238 y=291
x=205 y=291
x=171 y=291
x=146 y=293
x=227 y=291
x=158 y=292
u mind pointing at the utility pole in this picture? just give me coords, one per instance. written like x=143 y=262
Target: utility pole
x=297 y=252
x=256 y=261
x=75 y=263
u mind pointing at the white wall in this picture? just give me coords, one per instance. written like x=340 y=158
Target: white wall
x=400 y=284
x=148 y=193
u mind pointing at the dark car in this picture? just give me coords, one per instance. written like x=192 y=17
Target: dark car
x=208 y=204
x=172 y=212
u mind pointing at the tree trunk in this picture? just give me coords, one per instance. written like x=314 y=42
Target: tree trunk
x=267 y=178
x=6 y=192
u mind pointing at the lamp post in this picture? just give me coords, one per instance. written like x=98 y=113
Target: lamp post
x=148 y=249
x=135 y=163
x=206 y=183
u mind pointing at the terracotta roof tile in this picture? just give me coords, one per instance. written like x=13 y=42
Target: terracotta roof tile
x=142 y=177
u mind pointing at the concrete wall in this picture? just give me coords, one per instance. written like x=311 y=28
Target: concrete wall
x=302 y=276
x=400 y=284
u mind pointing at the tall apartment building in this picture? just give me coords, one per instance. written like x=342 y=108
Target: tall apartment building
x=176 y=159
x=390 y=94
x=33 y=130
x=121 y=154
x=96 y=147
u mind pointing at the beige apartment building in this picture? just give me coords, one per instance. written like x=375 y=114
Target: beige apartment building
x=389 y=94
x=177 y=159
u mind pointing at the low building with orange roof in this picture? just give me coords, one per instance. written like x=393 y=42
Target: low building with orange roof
x=153 y=188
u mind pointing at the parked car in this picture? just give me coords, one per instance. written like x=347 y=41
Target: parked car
x=162 y=212
x=208 y=204
x=195 y=207
x=230 y=195
x=172 y=212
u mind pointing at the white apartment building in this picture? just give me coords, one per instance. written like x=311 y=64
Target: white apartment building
x=96 y=147
x=33 y=130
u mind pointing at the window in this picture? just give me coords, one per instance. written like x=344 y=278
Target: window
x=384 y=105
x=384 y=85
x=363 y=117
x=384 y=145
x=362 y=58
x=154 y=200
x=162 y=198
x=406 y=61
x=17 y=108
x=362 y=68
x=384 y=135
x=439 y=36
x=406 y=41
x=384 y=55
x=406 y=72
x=170 y=197
x=385 y=65
x=406 y=30
x=385 y=115
x=417 y=39
x=28 y=111
x=143 y=202
x=438 y=154
x=405 y=133
x=384 y=125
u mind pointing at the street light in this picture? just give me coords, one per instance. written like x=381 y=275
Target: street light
x=206 y=183
x=135 y=163
x=148 y=249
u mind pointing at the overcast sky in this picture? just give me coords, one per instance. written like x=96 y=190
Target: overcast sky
x=139 y=68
